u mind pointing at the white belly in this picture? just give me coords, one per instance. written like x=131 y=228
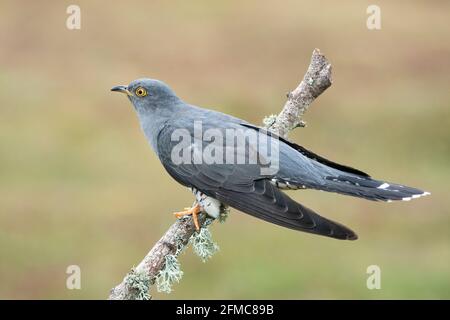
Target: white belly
x=210 y=205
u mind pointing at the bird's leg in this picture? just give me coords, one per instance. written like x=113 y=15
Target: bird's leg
x=194 y=211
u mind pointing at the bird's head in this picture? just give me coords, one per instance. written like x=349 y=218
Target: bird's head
x=148 y=94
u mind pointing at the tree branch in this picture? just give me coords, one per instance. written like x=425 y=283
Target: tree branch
x=316 y=80
x=137 y=282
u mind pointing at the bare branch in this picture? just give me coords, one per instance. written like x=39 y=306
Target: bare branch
x=316 y=80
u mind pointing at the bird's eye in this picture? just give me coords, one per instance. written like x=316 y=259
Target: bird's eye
x=141 y=92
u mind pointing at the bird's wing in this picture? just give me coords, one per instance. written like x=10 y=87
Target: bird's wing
x=311 y=155
x=243 y=187
x=269 y=203
x=201 y=174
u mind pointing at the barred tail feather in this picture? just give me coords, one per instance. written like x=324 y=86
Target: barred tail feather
x=371 y=189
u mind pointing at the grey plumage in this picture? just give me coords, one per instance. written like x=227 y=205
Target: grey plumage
x=243 y=186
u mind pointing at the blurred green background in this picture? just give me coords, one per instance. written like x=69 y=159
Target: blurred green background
x=79 y=185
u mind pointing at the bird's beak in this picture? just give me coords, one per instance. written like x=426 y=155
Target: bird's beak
x=122 y=89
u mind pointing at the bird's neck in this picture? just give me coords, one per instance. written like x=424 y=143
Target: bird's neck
x=153 y=120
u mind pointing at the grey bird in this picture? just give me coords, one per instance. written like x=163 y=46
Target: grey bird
x=245 y=186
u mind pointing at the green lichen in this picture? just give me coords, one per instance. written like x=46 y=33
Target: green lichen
x=223 y=215
x=269 y=120
x=139 y=282
x=203 y=244
x=170 y=274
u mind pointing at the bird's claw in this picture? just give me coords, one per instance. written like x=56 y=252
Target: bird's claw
x=190 y=211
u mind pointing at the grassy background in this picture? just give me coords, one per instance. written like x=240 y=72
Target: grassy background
x=78 y=184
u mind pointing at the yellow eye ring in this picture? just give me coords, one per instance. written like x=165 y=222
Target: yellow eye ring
x=140 y=92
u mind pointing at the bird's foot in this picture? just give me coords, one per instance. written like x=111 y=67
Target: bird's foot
x=194 y=211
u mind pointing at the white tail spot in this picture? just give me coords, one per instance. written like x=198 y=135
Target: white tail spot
x=384 y=186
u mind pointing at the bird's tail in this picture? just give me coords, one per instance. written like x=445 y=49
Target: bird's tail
x=371 y=189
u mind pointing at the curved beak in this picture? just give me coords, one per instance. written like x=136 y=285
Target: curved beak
x=122 y=89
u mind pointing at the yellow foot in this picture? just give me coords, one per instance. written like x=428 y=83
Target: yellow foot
x=191 y=211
